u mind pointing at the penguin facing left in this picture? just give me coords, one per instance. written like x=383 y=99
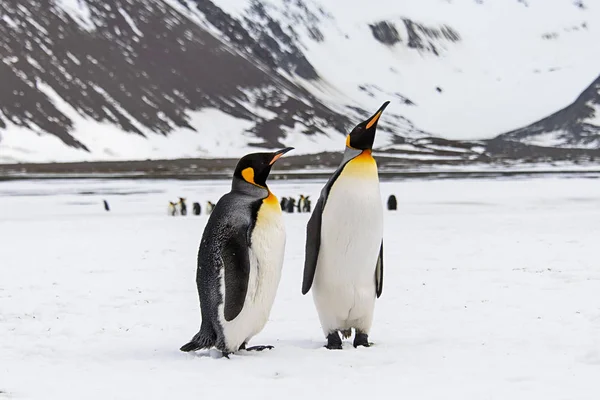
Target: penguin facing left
x=240 y=259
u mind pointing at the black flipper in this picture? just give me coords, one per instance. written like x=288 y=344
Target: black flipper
x=236 y=263
x=313 y=243
x=379 y=272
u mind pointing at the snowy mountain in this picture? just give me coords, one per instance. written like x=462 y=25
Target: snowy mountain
x=575 y=126
x=90 y=80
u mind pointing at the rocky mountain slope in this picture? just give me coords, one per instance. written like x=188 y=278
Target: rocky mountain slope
x=575 y=126
x=88 y=80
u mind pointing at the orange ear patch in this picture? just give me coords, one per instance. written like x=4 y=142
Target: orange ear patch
x=248 y=175
x=348 y=141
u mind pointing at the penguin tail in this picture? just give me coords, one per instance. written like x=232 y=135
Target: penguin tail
x=205 y=339
x=191 y=346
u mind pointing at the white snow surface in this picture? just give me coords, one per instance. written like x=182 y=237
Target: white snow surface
x=490 y=292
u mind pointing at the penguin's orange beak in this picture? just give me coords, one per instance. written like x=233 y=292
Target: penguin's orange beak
x=277 y=155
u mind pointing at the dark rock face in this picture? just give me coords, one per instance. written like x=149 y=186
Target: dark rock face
x=261 y=40
x=570 y=126
x=143 y=63
x=385 y=32
x=422 y=37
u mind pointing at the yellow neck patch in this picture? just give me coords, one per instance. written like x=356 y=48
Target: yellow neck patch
x=271 y=200
x=362 y=166
x=365 y=156
x=348 y=142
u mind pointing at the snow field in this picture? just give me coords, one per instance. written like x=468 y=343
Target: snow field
x=490 y=292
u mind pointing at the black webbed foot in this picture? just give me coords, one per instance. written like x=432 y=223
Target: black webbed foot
x=260 y=348
x=333 y=341
x=361 y=339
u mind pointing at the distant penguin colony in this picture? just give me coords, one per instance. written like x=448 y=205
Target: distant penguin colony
x=344 y=242
x=180 y=208
x=240 y=259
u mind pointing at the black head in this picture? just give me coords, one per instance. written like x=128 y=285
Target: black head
x=363 y=135
x=254 y=168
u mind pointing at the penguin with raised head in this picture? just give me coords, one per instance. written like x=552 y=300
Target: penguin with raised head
x=344 y=242
x=240 y=259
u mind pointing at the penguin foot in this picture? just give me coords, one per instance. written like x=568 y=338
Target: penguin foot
x=346 y=333
x=333 y=341
x=260 y=348
x=361 y=339
x=225 y=354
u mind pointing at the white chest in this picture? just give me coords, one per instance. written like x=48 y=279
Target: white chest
x=352 y=225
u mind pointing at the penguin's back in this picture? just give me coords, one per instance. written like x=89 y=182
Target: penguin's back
x=231 y=216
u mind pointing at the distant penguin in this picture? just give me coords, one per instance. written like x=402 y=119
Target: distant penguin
x=306 y=207
x=172 y=208
x=106 y=206
x=209 y=207
x=196 y=208
x=291 y=204
x=183 y=206
x=240 y=259
x=300 y=205
x=283 y=203
x=392 y=204
x=344 y=242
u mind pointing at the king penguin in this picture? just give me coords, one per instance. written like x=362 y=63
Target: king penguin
x=240 y=259
x=344 y=242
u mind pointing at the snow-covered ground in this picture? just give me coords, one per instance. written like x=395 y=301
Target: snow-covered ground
x=490 y=292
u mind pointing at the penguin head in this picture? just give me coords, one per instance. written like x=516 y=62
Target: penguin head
x=363 y=134
x=254 y=168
